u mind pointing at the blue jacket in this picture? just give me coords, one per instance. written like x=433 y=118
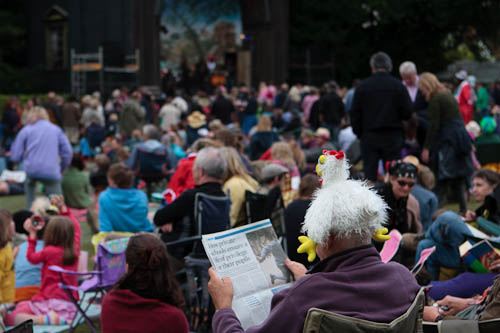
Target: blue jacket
x=428 y=203
x=45 y=149
x=123 y=210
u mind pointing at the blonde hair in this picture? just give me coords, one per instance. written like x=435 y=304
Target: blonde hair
x=294 y=94
x=235 y=166
x=264 y=124
x=37 y=113
x=282 y=152
x=429 y=82
x=298 y=154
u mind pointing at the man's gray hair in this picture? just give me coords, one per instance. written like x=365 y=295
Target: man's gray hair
x=151 y=132
x=212 y=161
x=407 y=67
x=381 y=61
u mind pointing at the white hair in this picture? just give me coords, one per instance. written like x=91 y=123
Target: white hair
x=407 y=67
x=343 y=207
x=212 y=161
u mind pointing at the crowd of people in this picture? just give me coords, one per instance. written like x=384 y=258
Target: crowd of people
x=413 y=144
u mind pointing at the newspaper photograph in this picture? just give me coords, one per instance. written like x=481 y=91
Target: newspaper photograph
x=253 y=258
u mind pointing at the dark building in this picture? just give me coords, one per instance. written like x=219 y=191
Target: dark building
x=266 y=23
x=125 y=31
x=121 y=28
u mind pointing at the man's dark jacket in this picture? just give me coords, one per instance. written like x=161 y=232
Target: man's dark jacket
x=182 y=207
x=380 y=104
x=222 y=109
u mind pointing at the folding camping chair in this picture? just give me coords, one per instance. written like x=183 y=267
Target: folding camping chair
x=211 y=215
x=321 y=321
x=261 y=207
x=24 y=327
x=110 y=267
x=151 y=167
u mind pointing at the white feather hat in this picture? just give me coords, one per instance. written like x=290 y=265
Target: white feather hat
x=342 y=206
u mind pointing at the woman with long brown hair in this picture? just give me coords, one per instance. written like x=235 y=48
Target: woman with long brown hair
x=447 y=146
x=147 y=298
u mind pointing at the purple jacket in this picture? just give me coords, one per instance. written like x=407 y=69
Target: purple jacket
x=44 y=148
x=353 y=283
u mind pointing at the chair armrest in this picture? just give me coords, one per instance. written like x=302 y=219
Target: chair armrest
x=183 y=241
x=58 y=269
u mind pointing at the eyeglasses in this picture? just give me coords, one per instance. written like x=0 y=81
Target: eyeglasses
x=403 y=183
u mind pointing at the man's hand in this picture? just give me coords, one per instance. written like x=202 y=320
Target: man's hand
x=454 y=304
x=431 y=313
x=470 y=216
x=298 y=270
x=167 y=227
x=221 y=290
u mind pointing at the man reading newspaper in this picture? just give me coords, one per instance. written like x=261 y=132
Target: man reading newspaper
x=350 y=279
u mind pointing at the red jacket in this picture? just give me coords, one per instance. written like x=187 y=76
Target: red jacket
x=124 y=311
x=52 y=255
x=182 y=179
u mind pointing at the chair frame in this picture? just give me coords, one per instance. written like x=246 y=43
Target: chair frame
x=151 y=178
x=315 y=316
x=99 y=289
x=282 y=225
x=197 y=314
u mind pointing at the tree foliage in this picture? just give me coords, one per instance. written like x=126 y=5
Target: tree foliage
x=424 y=31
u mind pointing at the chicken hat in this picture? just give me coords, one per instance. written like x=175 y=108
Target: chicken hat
x=342 y=206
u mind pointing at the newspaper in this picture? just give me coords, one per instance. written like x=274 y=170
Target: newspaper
x=253 y=258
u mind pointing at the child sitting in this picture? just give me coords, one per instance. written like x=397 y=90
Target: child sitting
x=27 y=275
x=7 y=276
x=51 y=305
x=121 y=207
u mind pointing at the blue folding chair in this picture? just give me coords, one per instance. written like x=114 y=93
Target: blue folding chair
x=211 y=214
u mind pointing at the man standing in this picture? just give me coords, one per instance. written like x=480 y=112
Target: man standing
x=380 y=105
x=45 y=151
x=222 y=108
x=133 y=114
x=408 y=72
x=331 y=110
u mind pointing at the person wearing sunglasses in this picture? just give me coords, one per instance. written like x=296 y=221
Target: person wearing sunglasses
x=404 y=212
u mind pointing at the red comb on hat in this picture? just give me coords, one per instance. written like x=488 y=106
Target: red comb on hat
x=338 y=154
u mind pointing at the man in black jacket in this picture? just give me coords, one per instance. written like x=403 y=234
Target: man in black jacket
x=331 y=110
x=381 y=103
x=208 y=170
x=222 y=108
